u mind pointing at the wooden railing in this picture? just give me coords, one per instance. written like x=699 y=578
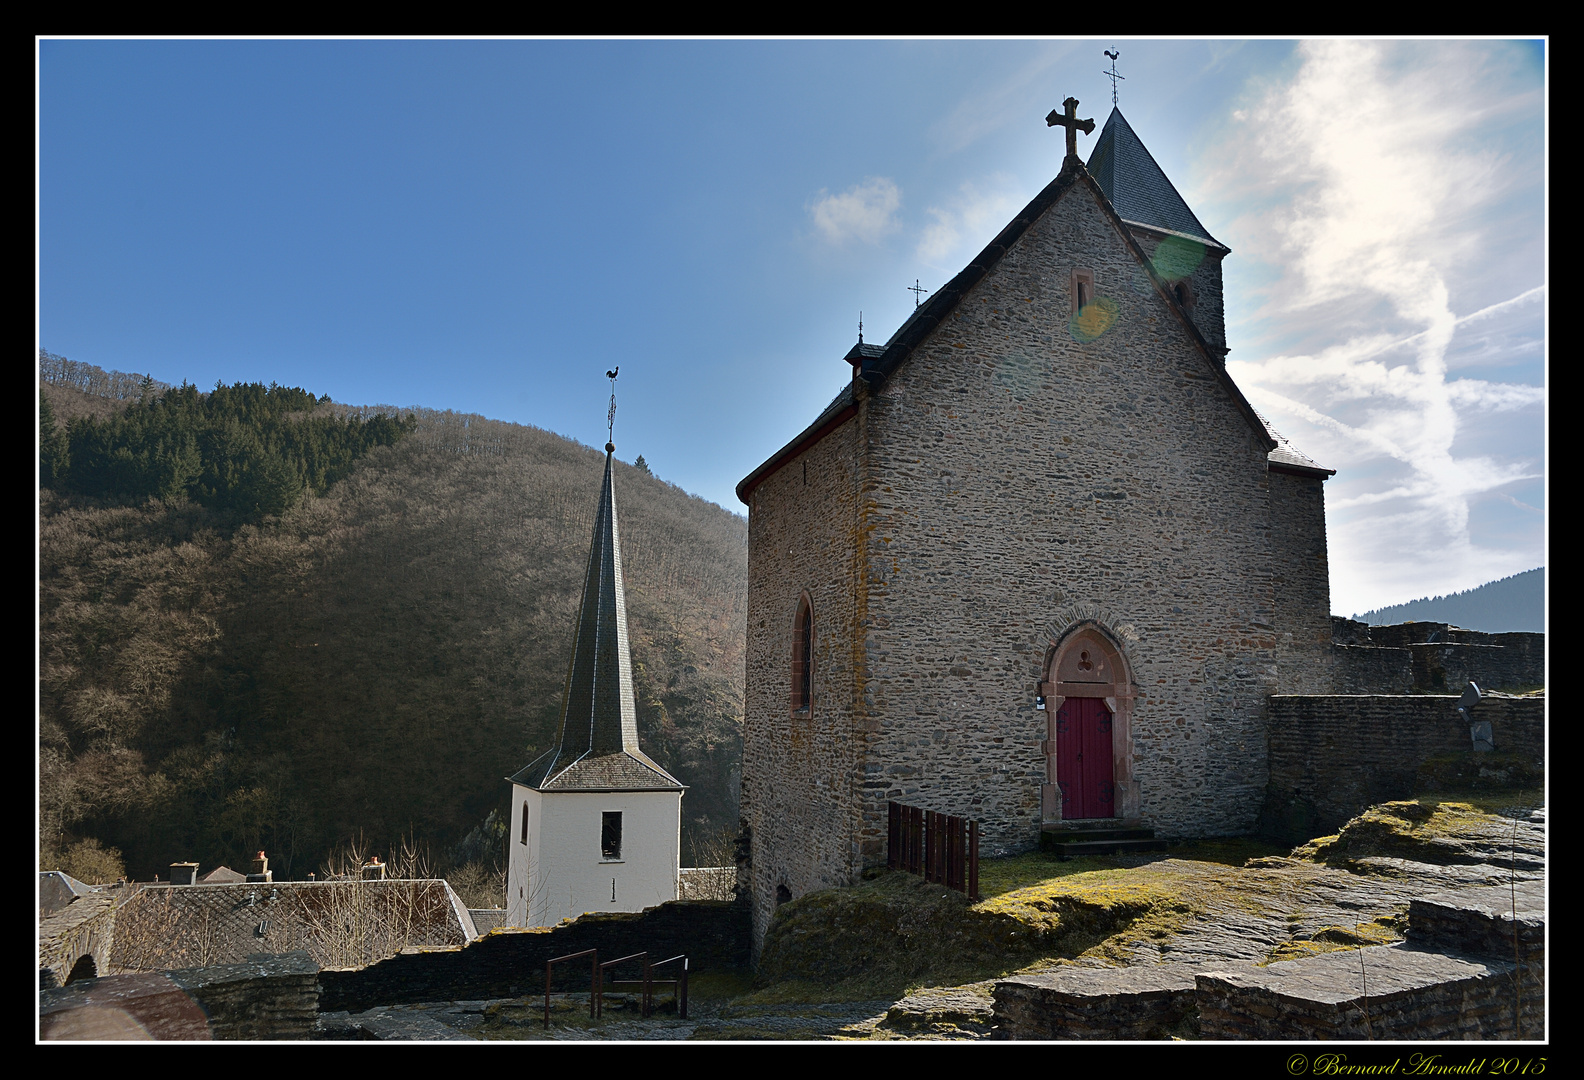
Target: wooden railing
x=941 y=847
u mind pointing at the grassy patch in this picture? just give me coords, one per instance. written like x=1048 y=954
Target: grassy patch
x=896 y=933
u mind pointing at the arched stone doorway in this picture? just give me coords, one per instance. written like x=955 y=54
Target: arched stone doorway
x=1088 y=693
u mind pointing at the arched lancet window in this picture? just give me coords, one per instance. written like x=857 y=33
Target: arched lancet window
x=524 y=839
x=803 y=657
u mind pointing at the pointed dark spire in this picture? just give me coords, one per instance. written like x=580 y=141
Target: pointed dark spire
x=1136 y=185
x=598 y=745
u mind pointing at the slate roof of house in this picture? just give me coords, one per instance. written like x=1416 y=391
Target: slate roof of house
x=925 y=318
x=57 y=889
x=597 y=749
x=222 y=875
x=1142 y=195
x=341 y=924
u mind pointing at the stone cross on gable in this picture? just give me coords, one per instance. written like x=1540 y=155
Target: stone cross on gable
x=1071 y=122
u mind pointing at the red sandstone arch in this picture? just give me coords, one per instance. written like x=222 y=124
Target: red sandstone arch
x=1088 y=666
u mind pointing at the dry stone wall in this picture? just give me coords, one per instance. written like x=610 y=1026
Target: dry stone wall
x=510 y=962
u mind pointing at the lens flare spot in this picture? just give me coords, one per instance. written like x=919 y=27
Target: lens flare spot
x=1177 y=257
x=1094 y=319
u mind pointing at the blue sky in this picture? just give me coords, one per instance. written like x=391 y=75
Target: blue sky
x=487 y=226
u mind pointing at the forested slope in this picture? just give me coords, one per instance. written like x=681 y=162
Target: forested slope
x=372 y=661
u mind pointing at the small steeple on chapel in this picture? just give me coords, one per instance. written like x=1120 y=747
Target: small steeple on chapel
x=596 y=825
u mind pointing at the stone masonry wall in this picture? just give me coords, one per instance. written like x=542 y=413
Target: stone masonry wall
x=1026 y=482
x=1332 y=757
x=1208 y=308
x=1431 y=657
x=1302 y=579
x=799 y=790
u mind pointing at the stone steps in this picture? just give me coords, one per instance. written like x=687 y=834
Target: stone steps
x=1067 y=842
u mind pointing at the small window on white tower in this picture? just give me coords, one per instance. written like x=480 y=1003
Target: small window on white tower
x=524 y=839
x=610 y=835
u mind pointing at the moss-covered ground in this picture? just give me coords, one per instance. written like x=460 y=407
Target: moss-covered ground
x=894 y=933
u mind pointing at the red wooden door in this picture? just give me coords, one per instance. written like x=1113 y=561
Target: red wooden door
x=1083 y=758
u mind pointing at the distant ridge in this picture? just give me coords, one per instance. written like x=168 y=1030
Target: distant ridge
x=1498 y=607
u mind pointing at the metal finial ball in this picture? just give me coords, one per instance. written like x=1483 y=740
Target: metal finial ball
x=610 y=448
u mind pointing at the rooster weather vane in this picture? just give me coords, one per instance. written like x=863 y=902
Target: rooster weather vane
x=1112 y=74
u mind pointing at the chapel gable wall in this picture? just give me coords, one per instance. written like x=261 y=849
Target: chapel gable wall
x=1028 y=478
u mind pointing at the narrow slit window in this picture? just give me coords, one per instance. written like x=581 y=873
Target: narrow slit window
x=524 y=839
x=1083 y=290
x=611 y=835
x=803 y=657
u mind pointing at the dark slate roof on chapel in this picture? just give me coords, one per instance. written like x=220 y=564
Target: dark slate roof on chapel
x=597 y=749
x=1128 y=174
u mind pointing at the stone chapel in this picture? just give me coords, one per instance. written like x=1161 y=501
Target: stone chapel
x=596 y=824
x=1039 y=562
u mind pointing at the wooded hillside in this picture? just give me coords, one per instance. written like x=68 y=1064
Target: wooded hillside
x=373 y=661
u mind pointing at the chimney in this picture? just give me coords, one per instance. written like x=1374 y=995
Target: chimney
x=261 y=870
x=373 y=870
x=184 y=873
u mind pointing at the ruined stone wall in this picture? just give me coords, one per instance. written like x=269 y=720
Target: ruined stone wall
x=1301 y=573
x=1331 y=757
x=800 y=770
x=1030 y=476
x=510 y=961
x=1430 y=657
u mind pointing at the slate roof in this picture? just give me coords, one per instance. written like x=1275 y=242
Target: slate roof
x=862 y=351
x=341 y=924
x=57 y=889
x=1128 y=174
x=597 y=749
x=1288 y=457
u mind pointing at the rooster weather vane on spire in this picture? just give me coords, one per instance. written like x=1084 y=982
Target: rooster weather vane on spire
x=610 y=417
x=1112 y=74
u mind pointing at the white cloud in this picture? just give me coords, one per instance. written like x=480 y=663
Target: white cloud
x=966 y=223
x=1367 y=195
x=864 y=212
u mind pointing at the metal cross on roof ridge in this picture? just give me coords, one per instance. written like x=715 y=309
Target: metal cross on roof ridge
x=917 y=290
x=1070 y=121
x=1112 y=74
